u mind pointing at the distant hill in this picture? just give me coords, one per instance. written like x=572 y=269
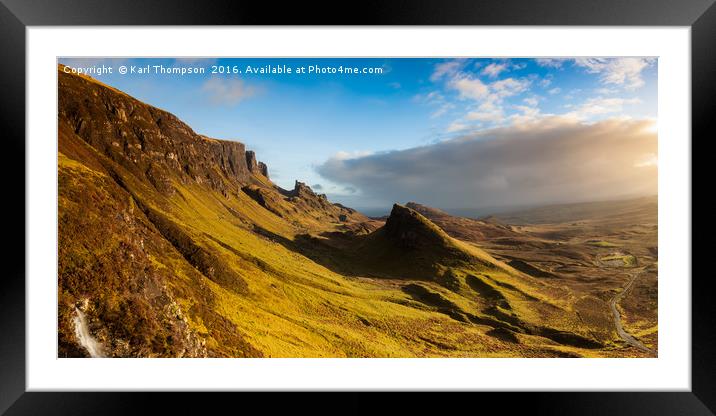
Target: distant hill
x=463 y=228
x=574 y=212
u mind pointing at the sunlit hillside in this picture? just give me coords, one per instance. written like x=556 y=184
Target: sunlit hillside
x=173 y=244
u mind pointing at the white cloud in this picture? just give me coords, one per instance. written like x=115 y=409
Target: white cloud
x=494 y=69
x=491 y=116
x=528 y=114
x=469 y=87
x=509 y=86
x=488 y=103
x=550 y=62
x=606 y=91
x=600 y=106
x=489 y=96
x=228 y=91
x=617 y=71
x=487 y=111
x=445 y=69
x=429 y=98
x=343 y=155
x=530 y=111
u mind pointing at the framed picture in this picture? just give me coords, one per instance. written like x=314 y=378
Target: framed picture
x=455 y=197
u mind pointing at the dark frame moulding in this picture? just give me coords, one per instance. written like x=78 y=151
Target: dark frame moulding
x=16 y=15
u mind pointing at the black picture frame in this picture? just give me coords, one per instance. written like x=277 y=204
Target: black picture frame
x=16 y=15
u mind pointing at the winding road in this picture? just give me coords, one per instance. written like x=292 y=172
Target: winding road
x=618 y=319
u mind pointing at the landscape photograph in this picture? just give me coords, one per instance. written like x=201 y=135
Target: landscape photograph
x=459 y=207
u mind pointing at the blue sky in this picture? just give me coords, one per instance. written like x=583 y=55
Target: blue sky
x=299 y=124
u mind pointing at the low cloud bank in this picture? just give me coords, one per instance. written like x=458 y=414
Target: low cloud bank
x=552 y=160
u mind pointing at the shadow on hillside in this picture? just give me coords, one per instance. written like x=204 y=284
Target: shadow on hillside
x=332 y=250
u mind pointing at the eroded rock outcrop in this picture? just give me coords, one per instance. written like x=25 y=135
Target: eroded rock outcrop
x=263 y=169
x=251 y=162
x=300 y=189
x=412 y=230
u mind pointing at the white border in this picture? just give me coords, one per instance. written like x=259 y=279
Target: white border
x=671 y=371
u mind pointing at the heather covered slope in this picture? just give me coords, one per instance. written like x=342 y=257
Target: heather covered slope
x=173 y=244
x=141 y=198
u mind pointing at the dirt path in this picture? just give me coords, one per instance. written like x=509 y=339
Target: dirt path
x=618 y=319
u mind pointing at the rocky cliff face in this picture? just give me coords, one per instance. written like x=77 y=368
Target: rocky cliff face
x=149 y=142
